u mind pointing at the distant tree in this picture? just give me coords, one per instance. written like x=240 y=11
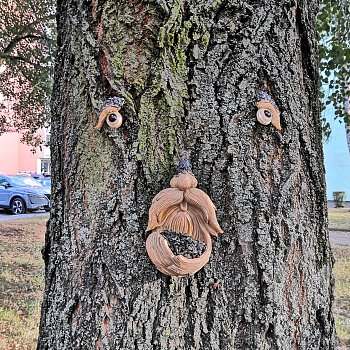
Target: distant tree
x=27 y=32
x=334 y=34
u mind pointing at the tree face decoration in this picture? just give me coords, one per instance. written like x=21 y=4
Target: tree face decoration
x=268 y=112
x=109 y=112
x=188 y=212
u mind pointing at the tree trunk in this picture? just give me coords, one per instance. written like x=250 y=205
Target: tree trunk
x=347 y=121
x=189 y=72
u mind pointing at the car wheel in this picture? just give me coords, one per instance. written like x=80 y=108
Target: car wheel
x=47 y=209
x=18 y=206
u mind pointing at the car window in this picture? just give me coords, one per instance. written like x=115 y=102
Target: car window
x=24 y=181
x=3 y=181
x=46 y=183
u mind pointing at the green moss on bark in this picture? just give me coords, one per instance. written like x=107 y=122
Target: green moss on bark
x=94 y=148
x=154 y=64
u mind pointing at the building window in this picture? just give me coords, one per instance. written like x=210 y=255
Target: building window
x=45 y=166
x=47 y=140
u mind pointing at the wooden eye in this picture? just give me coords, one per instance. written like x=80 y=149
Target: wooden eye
x=268 y=112
x=114 y=120
x=109 y=112
x=111 y=115
x=264 y=116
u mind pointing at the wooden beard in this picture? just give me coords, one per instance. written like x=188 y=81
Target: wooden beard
x=188 y=212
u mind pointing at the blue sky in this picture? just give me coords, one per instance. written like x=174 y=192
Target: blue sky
x=337 y=157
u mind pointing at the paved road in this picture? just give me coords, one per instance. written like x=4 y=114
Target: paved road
x=340 y=237
x=4 y=216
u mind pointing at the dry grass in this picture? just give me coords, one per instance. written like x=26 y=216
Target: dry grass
x=21 y=283
x=339 y=219
x=341 y=273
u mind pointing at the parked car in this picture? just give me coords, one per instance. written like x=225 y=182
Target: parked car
x=22 y=193
x=44 y=179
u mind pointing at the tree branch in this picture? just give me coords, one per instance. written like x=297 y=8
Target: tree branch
x=17 y=39
x=18 y=58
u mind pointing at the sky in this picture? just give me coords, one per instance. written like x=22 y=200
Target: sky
x=337 y=158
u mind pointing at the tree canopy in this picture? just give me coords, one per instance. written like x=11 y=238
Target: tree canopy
x=27 y=32
x=334 y=35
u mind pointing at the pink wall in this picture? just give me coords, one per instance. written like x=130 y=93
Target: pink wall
x=15 y=156
x=9 y=153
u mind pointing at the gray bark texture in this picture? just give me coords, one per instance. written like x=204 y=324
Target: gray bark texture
x=189 y=72
x=347 y=122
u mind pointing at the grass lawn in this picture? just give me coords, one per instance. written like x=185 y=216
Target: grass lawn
x=341 y=309
x=339 y=219
x=21 y=283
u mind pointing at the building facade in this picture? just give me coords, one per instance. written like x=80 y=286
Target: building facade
x=16 y=157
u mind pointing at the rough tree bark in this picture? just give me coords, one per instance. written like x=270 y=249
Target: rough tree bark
x=189 y=72
x=347 y=123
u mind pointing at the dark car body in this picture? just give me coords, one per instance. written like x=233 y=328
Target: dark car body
x=22 y=193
